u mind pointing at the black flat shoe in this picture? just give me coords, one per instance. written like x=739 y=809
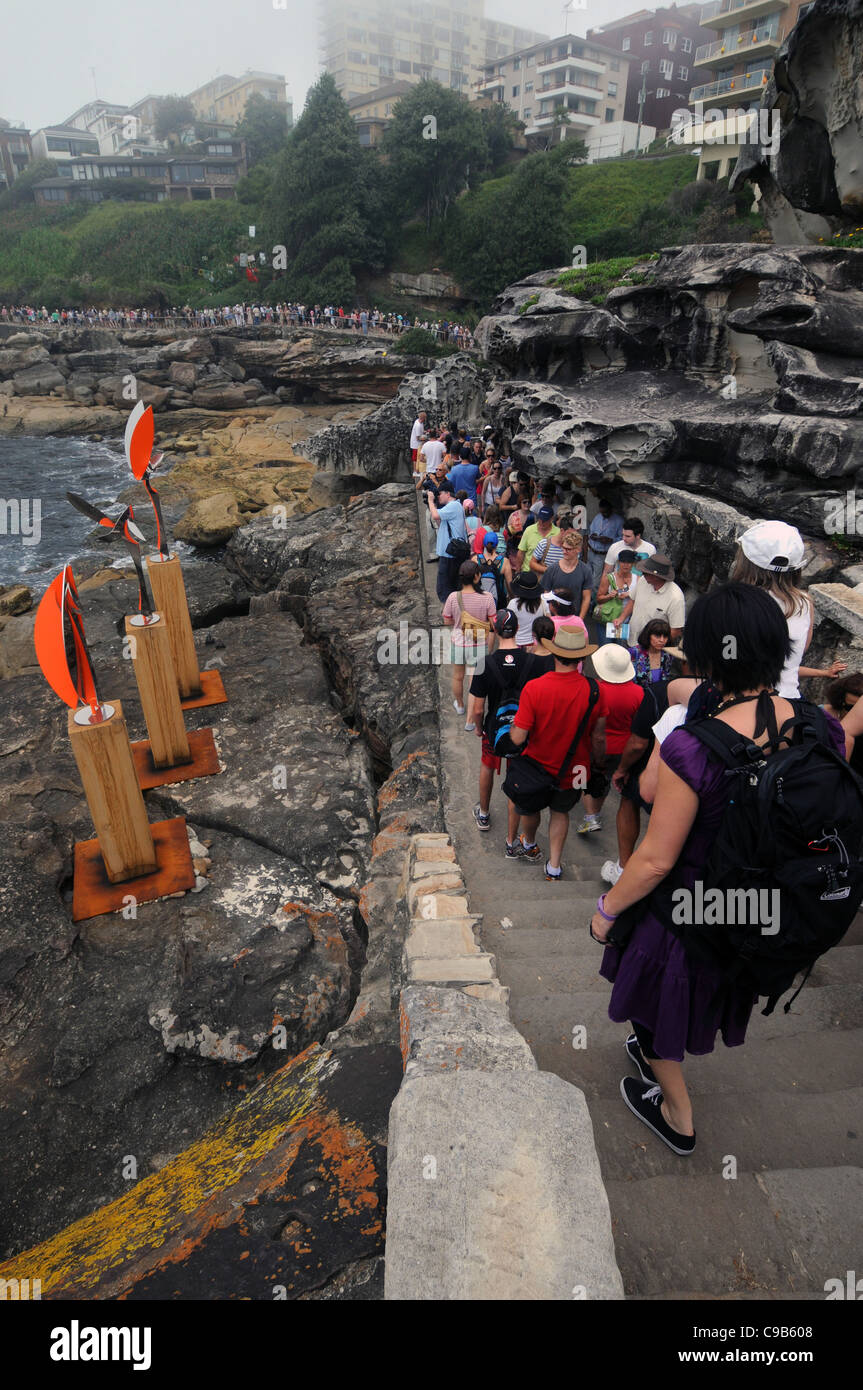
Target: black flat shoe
x=635 y=1054
x=646 y=1102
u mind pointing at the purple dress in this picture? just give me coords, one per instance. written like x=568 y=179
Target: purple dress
x=683 y=1002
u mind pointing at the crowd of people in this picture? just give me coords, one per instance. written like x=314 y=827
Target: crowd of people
x=587 y=677
x=360 y=321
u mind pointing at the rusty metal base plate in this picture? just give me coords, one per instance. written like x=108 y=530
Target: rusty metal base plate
x=204 y=761
x=212 y=692
x=93 y=892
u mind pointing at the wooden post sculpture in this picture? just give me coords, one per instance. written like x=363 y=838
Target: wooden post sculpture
x=130 y=860
x=197 y=688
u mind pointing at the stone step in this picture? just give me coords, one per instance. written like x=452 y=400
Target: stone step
x=453 y=971
x=779 y=1129
x=550 y=1016
x=799 y=1064
x=778 y=1232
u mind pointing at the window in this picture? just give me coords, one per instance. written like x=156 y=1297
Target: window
x=625 y=45
x=686 y=44
x=220 y=149
x=612 y=89
x=645 y=67
x=666 y=67
x=528 y=86
x=663 y=92
x=614 y=63
x=515 y=91
x=669 y=38
x=683 y=73
x=610 y=113
x=547 y=55
x=516 y=64
x=648 y=38
x=53 y=195
x=187 y=173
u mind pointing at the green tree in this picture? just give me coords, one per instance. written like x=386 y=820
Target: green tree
x=435 y=148
x=326 y=203
x=21 y=190
x=500 y=126
x=173 y=115
x=264 y=127
x=511 y=226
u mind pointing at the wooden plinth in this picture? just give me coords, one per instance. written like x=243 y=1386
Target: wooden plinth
x=94 y=894
x=107 y=770
x=203 y=761
x=212 y=692
x=169 y=593
x=157 y=687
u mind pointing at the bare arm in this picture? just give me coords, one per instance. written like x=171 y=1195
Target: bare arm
x=632 y=751
x=674 y=812
x=585 y=603
x=517 y=735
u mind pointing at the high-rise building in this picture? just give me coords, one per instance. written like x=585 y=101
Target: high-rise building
x=661 y=46
x=367 y=44
x=734 y=68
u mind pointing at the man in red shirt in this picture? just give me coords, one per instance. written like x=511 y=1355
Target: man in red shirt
x=622 y=699
x=550 y=711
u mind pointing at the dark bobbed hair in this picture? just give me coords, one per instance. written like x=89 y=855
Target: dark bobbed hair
x=659 y=626
x=468 y=572
x=542 y=627
x=839 y=690
x=760 y=632
x=632 y=523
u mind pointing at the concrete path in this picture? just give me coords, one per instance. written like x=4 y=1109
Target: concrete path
x=785 y=1112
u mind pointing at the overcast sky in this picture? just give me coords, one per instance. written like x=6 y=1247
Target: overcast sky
x=160 y=46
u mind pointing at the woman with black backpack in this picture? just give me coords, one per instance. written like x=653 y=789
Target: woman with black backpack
x=682 y=972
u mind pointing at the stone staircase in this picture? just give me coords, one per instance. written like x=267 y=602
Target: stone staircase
x=785 y=1111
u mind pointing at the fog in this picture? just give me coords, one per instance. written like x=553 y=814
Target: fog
x=52 y=50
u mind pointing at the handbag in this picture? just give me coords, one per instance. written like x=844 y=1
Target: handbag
x=528 y=783
x=610 y=608
x=458 y=550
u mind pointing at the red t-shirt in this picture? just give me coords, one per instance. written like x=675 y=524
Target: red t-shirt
x=621 y=703
x=550 y=710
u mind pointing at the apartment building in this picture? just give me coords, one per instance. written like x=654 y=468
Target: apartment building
x=223 y=100
x=373 y=111
x=735 y=66
x=15 y=153
x=62 y=142
x=368 y=44
x=584 y=78
x=661 y=46
x=211 y=173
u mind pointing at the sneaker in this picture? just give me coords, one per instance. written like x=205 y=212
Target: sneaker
x=635 y=1054
x=458 y=706
x=514 y=850
x=588 y=825
x=646 y=1102
x=551 y=875
x=611 y=871
x=482 y=818
x=470 y=728
x=531 y=855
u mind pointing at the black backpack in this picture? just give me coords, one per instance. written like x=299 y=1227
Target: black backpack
x=498 y=725
x=792 y=828
x=492 y=581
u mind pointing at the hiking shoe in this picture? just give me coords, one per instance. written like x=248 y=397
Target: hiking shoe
x=458 y=706
x=588 y=825
x=514 y=850
x=532 y=855
x=646 y=1102
x=482 y=818
x=550 y=875
x=635 y=1054
x=611 y=871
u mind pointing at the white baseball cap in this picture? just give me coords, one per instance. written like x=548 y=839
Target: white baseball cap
x=773 y=545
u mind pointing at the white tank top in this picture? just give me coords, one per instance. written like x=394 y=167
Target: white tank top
x=798 y=631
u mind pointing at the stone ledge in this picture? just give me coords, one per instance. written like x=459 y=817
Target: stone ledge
x=454 y=970
x=495 y=1191
x=443 y=1028
x=432 y=905
x=435 y=938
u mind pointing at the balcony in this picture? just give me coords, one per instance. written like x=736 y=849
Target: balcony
x=721 y=15
x=760 y=43
x=573 y=89
x=740 y=87
x=487 y=85
x=579 y=119
x=587 y=64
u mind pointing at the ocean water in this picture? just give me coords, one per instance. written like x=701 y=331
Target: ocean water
x=39 y=530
